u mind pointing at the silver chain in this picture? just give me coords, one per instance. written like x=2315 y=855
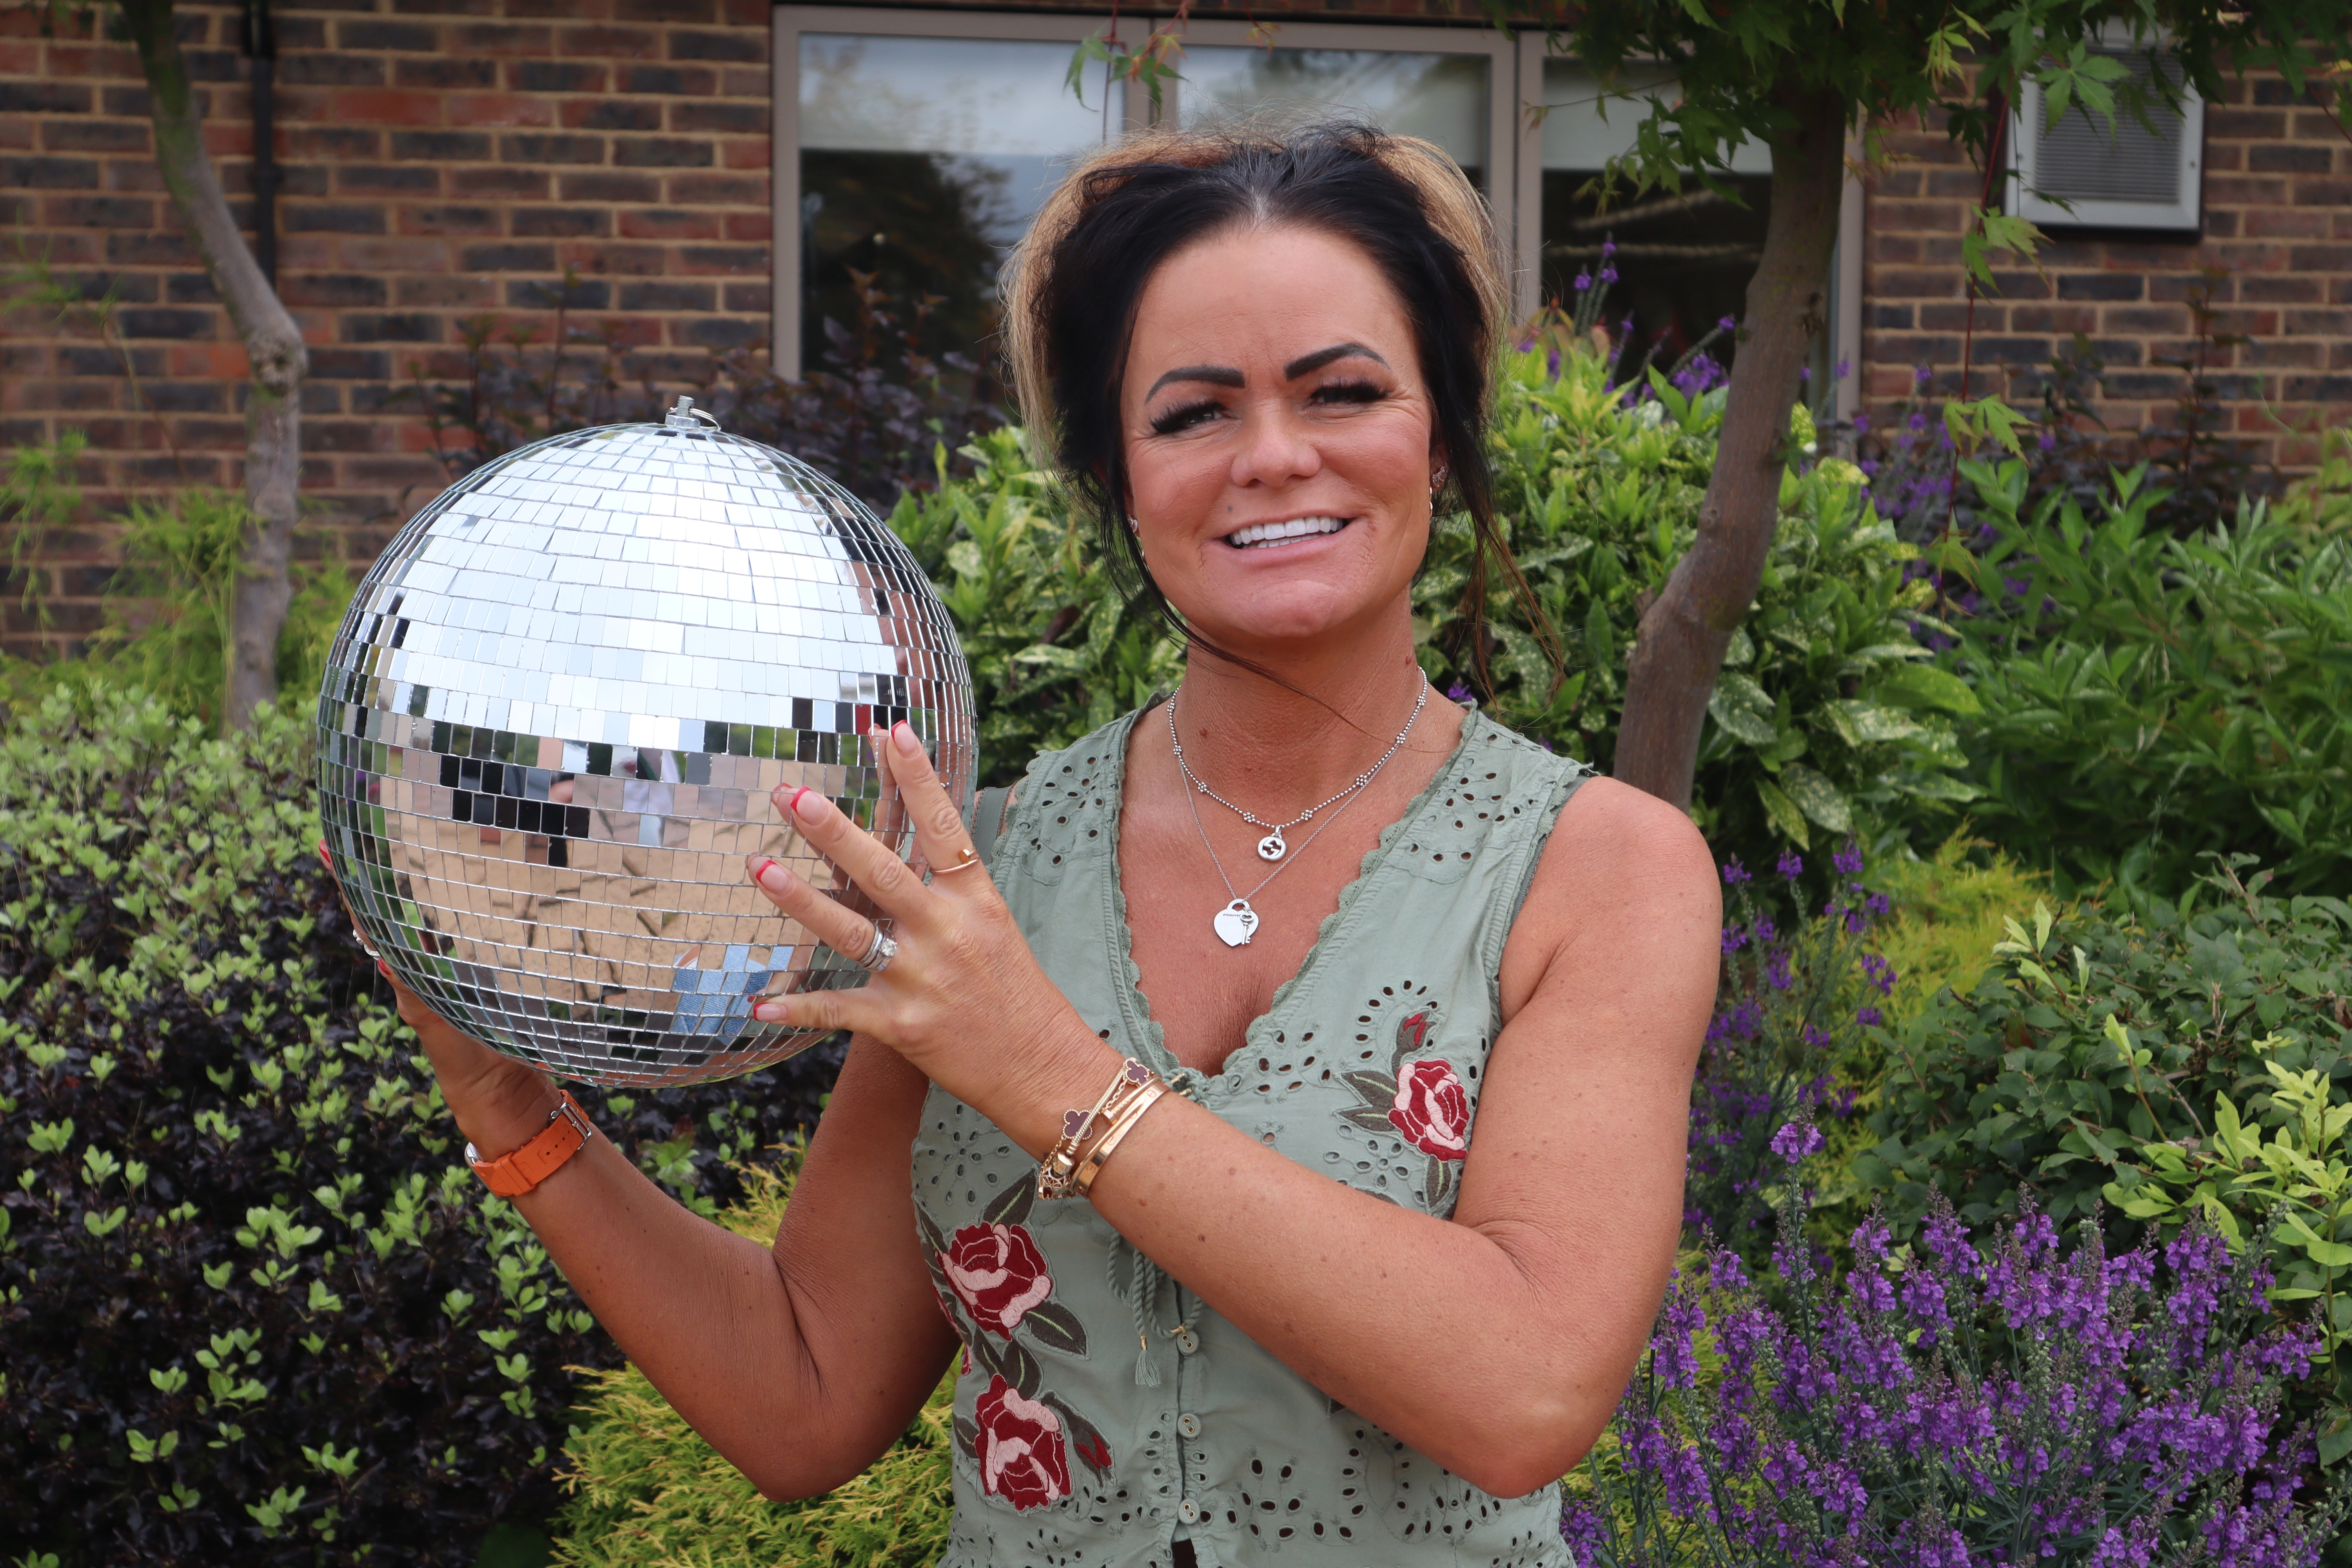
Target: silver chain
x=1241 y=901
x=1272 y=847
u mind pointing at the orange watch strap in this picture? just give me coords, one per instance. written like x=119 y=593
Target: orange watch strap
x=517 y=1171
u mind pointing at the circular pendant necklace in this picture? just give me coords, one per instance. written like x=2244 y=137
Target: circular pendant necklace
x=1237 y=923
x=1274 y=847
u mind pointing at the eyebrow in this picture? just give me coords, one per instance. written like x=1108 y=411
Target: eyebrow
x=1307 y=365
x=1214 y=374
x=1226 y=375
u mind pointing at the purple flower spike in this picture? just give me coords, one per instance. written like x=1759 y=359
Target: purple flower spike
x=1583 y=281
x=1727 y=325
x=1848 y=860
x=1608 y=275
x=1791 y=865
x=1797 y=1142
x=1734 y=873
x=1844 y=368
x=1458 y=692
x=1608 y=248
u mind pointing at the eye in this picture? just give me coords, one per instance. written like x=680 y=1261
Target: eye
x=1332 y=392
x=1184 y=416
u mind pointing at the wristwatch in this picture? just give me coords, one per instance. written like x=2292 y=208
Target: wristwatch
x=517 y=1171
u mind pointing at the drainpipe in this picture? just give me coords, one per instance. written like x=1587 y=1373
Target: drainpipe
x=260 y=45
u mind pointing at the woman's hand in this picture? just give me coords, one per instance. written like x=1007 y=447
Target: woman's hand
x=498 y=1102
x=963 y=999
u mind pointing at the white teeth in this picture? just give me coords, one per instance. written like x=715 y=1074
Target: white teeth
x=1279 y=533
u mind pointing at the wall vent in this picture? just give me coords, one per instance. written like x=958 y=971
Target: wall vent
x=2122 y=175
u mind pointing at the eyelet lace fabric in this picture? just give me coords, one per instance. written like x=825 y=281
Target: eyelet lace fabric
x=1103 y=1412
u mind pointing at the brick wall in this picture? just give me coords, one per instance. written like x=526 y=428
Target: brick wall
x=440 y=159
x=446 y=160
x=2278 y=222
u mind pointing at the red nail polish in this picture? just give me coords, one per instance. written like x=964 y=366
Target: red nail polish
x=760 y=871
x=383 y=968
x=793 y=806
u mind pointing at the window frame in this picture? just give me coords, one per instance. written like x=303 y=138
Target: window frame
x=1515 y=139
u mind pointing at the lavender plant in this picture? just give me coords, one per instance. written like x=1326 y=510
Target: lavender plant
x=1945 y=1406
x=1796 y=1029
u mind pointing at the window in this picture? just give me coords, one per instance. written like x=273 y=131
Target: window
x=2084 y=172
x=1682 y=261
x=914 y=147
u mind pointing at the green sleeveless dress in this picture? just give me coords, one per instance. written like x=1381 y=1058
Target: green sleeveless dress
x=1101 y=1412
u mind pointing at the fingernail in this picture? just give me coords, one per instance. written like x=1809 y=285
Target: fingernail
x=793 y=804
x=904 y=733
x=760 y=873
x=768 y=1012
x=383 y=968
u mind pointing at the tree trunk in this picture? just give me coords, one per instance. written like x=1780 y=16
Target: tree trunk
x=273 y=350
x=1680 y=646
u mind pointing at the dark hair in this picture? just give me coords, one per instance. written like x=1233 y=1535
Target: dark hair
x=1081 y=274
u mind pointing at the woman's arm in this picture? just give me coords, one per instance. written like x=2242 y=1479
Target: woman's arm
x=1498 y=1341
x=801 y=1363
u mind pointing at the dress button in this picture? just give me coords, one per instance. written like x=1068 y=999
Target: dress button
x=1189 y=1424
x=1189 y=1511
x=1187 y=1341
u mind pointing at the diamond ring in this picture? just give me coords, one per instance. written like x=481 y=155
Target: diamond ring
x=878 y=954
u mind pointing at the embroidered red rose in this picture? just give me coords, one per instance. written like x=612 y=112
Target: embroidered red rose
x=1023 y=1458
x=998 y=1274
x=1433 y=1110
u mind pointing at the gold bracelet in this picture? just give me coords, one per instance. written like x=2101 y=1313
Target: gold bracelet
x=1128 y=1115
x=1055 y=1170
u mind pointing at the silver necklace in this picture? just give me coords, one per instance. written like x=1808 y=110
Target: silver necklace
x=1274 y=847
x=1237 y=923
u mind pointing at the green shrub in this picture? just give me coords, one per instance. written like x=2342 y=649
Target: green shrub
x=2095 y=1032
x=168 y=615
x=649 y=1492
x=1829 y=720
x=1949 y=906
x=252 y=1306
x=2149 y=699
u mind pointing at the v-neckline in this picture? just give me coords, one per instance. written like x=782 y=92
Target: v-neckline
x=1137 y=1006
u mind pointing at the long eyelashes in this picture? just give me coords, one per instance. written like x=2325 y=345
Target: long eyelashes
x=1183 y=416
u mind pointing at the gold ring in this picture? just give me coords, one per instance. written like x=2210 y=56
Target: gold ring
x=970 y=859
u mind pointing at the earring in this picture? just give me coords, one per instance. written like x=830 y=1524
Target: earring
x=1134 y=527
x=1437 y=479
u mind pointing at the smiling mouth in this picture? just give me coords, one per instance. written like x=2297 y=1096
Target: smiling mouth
x=1265 y=535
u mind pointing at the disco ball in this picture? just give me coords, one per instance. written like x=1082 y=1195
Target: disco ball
x=553 y=719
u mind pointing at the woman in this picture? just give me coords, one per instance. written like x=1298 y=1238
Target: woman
x=1297 y=1305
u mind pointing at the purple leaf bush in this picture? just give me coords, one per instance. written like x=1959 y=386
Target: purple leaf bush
x=1960 y=1403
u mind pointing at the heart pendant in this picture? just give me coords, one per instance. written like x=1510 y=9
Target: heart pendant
x=1236 y=923
x=1271 y=847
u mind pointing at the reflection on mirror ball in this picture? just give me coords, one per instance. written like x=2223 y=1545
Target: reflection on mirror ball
x=553 y=717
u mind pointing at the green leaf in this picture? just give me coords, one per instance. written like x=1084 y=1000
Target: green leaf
x=1782 y=814
x=1819 y=799
x=1740 y=707
x=1925 y=686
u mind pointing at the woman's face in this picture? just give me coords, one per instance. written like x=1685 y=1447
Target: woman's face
x=1278 y=438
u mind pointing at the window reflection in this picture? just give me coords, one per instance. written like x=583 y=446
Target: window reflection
x=1439 y=97
x=921 y=161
